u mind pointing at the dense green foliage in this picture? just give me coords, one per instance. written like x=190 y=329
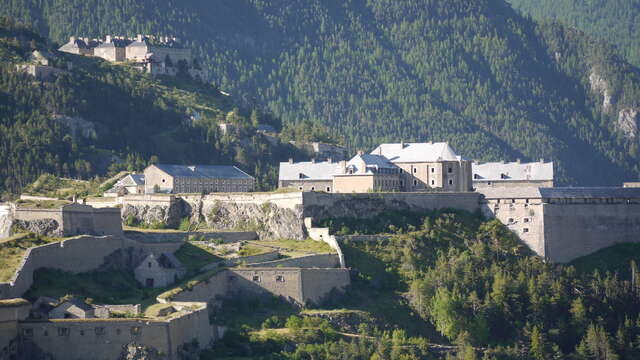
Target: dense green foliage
x=131 y=120
x=475 y=73
x=615 y=21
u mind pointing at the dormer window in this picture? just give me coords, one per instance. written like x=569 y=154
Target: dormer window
x=503 y=176
x=300 y=176
x=476 y=176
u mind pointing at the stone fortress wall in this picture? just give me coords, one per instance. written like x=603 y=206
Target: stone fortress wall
x=563 y=229
x=106 y=339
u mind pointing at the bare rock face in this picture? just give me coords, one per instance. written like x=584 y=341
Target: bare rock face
x=139 y=352
x=628 y=123
x=147 y=214
x=6 y=220
x=46 y=227
x=268 y=220
x=601 y=86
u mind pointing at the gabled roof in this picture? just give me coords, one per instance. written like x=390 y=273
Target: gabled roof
x=368 y=164
x=204 y=171
x=497 y=171
x=307 y=171
x=417 y=152
x=165 y=260
x=78 y=303
x=74 y=44
x=114 y=43
x=129 y=180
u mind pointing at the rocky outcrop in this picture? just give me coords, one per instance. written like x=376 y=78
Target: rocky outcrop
x=151 y=213
x=139 y=352
x=46 y=227
x=268 y=220
x=628 y=123
x=601 y=86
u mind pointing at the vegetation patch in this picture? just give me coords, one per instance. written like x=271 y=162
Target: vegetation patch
x=615 y=259
x=12 y=252
x=194 y=257
x=297 y=247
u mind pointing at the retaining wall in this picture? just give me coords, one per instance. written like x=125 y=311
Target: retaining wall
x=106 y=339
x=309 y=261
x=366 y=205
x=575 y=230
x=9 y=317
x=80 y=254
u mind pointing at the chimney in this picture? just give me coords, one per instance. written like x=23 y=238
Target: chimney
x=430 y=142
x=329 y=160
x=313 y=160
x=343 y=167
x=290 y=160
x=542 y=160
x=360 y=152
x=108 y=39
x=72 y=39
x=192 y=168
x=502 y=161
x=517 y=161
x=139 y=37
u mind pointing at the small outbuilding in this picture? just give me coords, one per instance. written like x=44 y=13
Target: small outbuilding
x=159 y=271
x=73 y=308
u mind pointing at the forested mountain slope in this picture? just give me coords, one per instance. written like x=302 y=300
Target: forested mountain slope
x=97 y=117
x=616 y=21
x=475 y=73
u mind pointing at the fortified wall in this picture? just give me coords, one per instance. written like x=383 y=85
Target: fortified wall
x=562 y=224
x=107 y=339
x=297 y=285
x=66 y=220
x=281 y=215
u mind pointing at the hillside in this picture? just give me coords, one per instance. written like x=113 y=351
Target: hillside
x=96 y=118
x=615 y=21
x=475 y=73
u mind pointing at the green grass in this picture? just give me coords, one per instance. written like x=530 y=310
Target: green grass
x=298 y=247
x=42 y=204
x=104 y=287
x=616 y=258
x=194 y=257
x=52 y=186
x=249 y=250
x=13 y=250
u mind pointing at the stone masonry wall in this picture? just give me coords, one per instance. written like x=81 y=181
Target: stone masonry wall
x=9 y=317
x=574 y=230
x=106 y=339
x=80 y=254
x=318 y=283
x=320 y=206
x=310 y=261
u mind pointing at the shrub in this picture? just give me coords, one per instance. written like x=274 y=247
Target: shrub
x=185 y=224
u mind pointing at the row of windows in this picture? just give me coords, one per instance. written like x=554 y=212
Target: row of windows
x=414 y=169
x=258 y=278
x=313 y=188
x=65 y=331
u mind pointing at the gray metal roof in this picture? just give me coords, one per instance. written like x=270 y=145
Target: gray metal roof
x=417 y=152
x=560 y=193
x=498 y=171
x=510 y=193
x=589 y=192
x=204 y=171
x=307 y=171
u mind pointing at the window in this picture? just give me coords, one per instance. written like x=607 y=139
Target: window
x=27 y=332
x=450 y=182
x=279 y=278
x=63 y=331
x=488 y=182
x=99 y=331
x=526 y=220
x=350 y=171
x=511 y=221
x=149 y=264
x=81 y=332
x=401 y=183
x=415 y=182
x=163 y=180
x=300 y=188
x=433 y=170
x=328 y=188
x=525 y=230
x=256 y=278
x=401 y=171
x=415 y=170
x=433 y=182
x=313 y=188
x=450 y=170
x=135 y=330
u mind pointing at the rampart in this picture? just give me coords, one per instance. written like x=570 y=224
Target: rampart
x=9 y=317
x=105 y=339
x=564 y=224
x=294 y=284
x=281 y=215
x=309 y=261
x=80 y=254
